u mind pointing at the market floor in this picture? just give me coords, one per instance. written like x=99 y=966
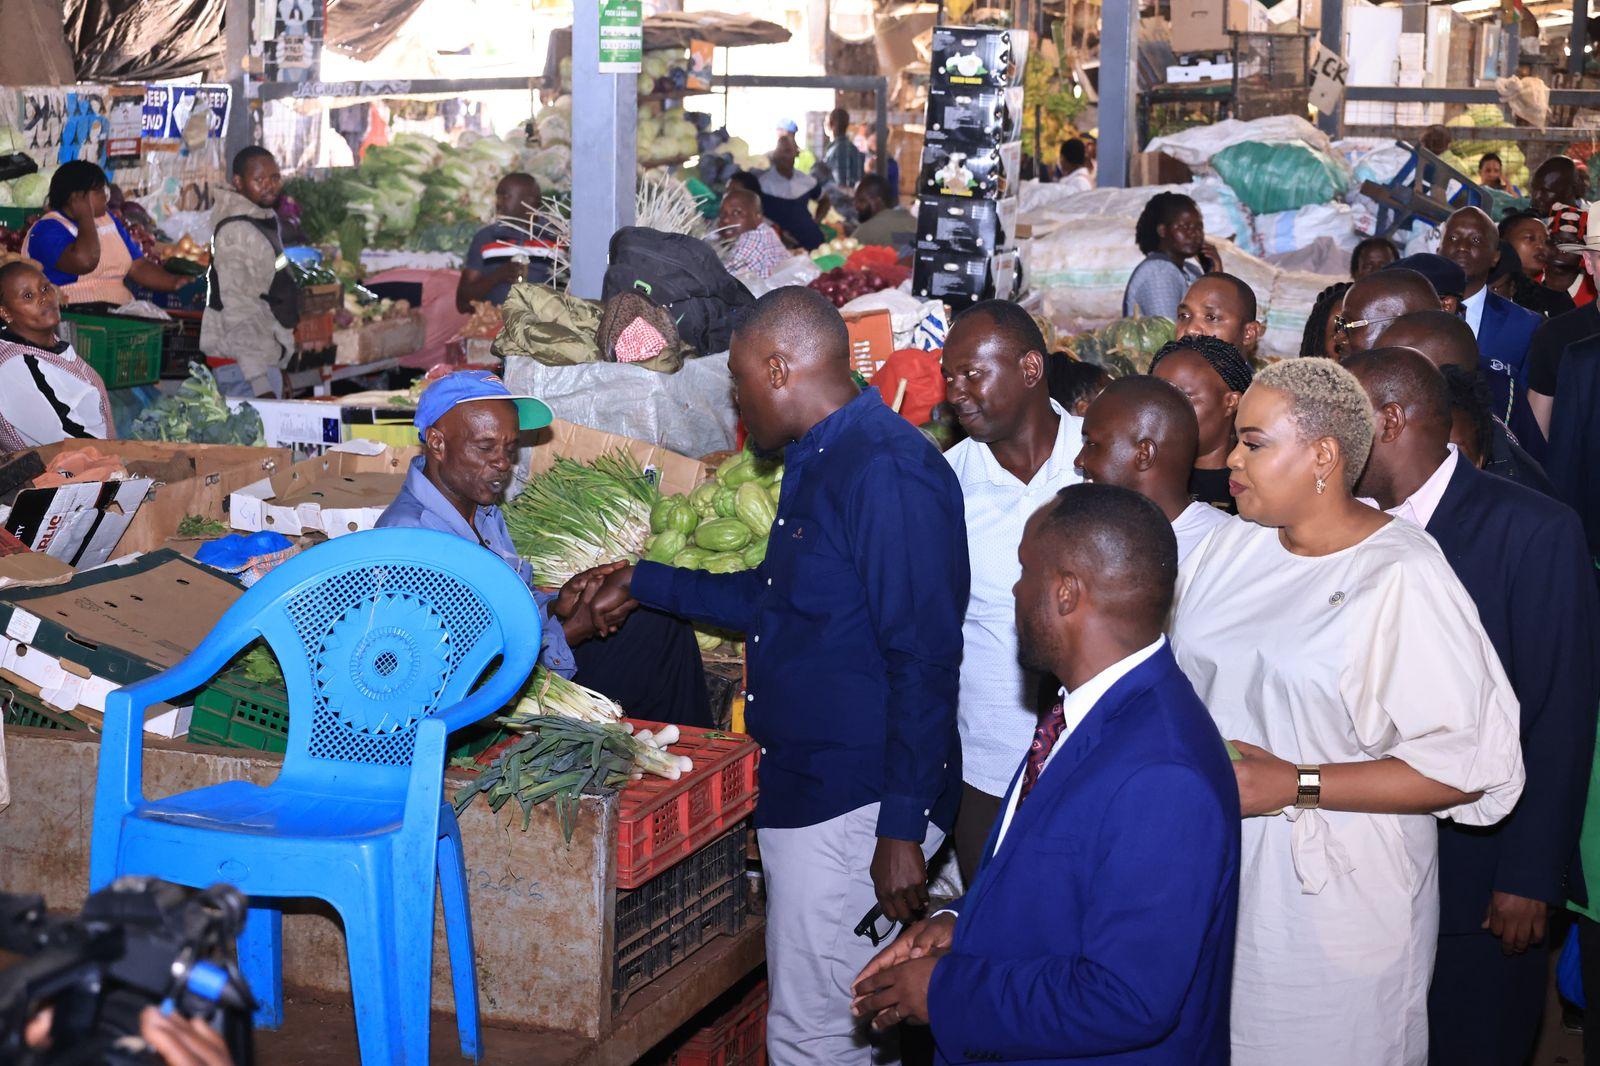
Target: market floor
x=320 y=1035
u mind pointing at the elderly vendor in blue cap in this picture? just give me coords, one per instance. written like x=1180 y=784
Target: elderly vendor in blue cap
x=470 y=425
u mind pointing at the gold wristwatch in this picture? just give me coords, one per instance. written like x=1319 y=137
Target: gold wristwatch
x=1308 y=795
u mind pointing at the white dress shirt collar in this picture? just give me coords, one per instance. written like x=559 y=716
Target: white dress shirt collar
x=1472 y=307
x=1069 y=433
x=1075 y=707
x=1418 y=508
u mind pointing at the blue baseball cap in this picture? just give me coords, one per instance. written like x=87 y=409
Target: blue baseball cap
x=788 y=125
x=465 y=386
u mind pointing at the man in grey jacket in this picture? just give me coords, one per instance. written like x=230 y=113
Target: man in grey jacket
x=244 y=256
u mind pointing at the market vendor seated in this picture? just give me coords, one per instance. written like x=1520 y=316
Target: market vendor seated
x=510 y=249
x=85 y=251
x=47 y=393
x=883 y=220
x=470 y=425
x=756 y=250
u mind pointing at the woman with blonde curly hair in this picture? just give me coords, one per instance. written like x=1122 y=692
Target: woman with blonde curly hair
x=1339 y=651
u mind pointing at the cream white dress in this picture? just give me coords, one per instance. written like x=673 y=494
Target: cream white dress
x=1371 y=652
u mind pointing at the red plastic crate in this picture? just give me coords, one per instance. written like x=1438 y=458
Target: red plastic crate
x=662 y=822
x=737 y=1039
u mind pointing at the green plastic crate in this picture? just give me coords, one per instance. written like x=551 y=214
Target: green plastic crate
x=25 y=709
x=234 y=712
x=18 y=217
x=123 y=351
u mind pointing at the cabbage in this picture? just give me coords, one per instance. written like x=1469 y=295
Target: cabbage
x=5 y=194
x=30 y=190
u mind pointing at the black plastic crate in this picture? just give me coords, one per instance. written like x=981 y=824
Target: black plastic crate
x=674 y=914
x=180 y=345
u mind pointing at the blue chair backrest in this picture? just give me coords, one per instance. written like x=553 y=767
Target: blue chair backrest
x=374 y=632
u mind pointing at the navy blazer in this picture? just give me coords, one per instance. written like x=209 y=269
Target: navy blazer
x=1102 y=929
x=1504 y=335
x=1523 y=561
x=1574 y=463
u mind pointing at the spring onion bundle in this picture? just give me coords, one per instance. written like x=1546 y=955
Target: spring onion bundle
x=575 y=516
x=562 y=758
x=551 y=694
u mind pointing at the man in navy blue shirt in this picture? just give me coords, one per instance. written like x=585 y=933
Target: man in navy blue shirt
x=787 y=196
x=853 y=627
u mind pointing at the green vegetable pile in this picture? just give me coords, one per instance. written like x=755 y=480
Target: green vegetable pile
x=721 y=527
x=410 y=186
x=551 y=694
x=198 y=525
x=575 y=516
x=1125 y=347
x=197 y=414
x=563 y=758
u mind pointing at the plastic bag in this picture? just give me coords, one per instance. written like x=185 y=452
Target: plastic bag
x=1199 y=146
x=1270 y=178
x=690 y=412
x=1288 y=231
x=1528 y=98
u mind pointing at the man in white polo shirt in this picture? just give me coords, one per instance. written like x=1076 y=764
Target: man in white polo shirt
x=1018 y=454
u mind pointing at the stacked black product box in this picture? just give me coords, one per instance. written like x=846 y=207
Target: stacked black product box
x=971 y=167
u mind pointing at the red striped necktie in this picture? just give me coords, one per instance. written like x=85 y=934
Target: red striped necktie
x=1044 y=741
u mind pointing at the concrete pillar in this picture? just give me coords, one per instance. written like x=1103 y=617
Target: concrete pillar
x=1119 y=90
x=605 y=115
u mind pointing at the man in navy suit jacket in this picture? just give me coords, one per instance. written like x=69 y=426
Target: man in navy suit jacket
x=1522 y=558
x=1504 y=330
x=1099 y=928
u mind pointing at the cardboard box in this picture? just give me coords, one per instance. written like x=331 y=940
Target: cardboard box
x=80 y=524
x=343 y=491
x=992 y=172
x=110 y=627
x=183 y=479
x=871 y=340
x=972 y=57
x=376 y=341
x=971 y=227
x=1205 y=70
x=674 y=473
x=1158 y=168
x=1203 y=25
x=960 y=280
x=974 y=117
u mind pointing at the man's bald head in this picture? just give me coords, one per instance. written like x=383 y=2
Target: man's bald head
x=1382 y=297
x=1141 y=434
x=1408 y=379
x=1411 y=402
x=1098 y=567
x=1440 y=336
x=790 y=347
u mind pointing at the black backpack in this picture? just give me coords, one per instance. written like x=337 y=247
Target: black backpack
x=283 y=296
x=682 y=275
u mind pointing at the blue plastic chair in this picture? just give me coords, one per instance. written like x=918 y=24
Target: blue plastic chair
x=380 y=635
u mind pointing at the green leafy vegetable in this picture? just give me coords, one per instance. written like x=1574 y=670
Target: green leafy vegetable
x=197 y=525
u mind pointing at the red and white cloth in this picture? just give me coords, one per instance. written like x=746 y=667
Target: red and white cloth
x=757 y=253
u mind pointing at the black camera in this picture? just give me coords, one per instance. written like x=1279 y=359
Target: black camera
x=139 y=943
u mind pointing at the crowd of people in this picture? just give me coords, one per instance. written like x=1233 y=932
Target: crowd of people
x=1281 y=680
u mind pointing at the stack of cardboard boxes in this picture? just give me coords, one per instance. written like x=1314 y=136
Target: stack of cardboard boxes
x=971 y=167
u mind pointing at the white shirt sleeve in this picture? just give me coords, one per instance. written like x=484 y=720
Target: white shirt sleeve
x=1433 y=693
